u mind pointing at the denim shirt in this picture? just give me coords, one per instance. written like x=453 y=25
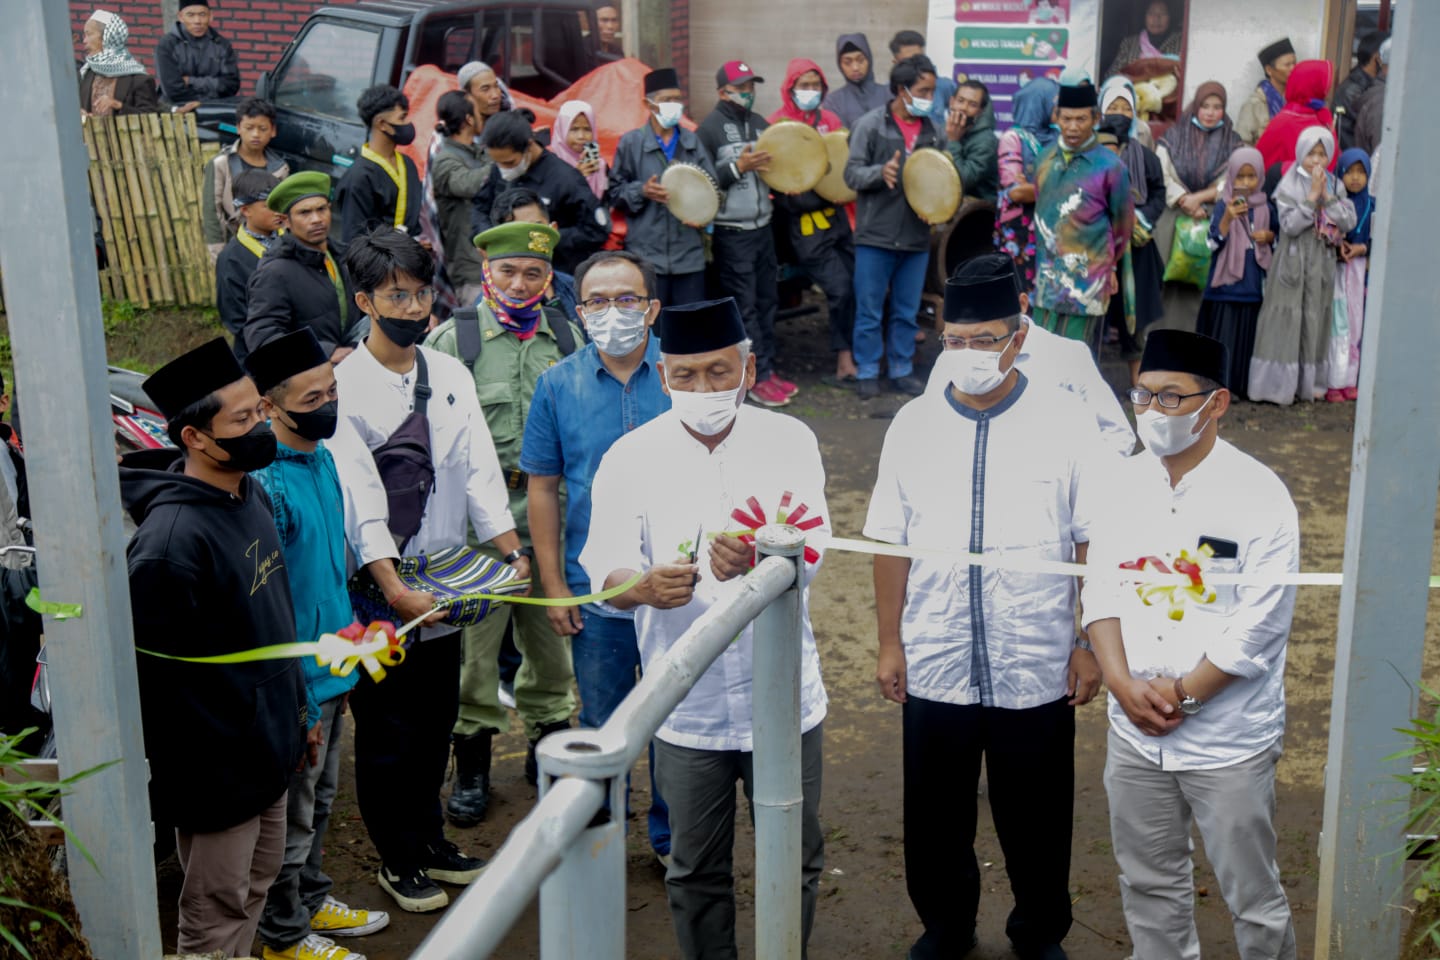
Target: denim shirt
x=579 y=410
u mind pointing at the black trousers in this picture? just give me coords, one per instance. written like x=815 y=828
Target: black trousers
x=831 y=264
x=1030 y=767
x=678 y=289
x=402 y=746
x=745 y=269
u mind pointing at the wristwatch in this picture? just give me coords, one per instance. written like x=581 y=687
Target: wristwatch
x=1188 y=704
x=1083 y=643
x=514 y=555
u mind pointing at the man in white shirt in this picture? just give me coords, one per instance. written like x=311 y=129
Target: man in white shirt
x=985 y=660
x=402 y=726
x=1197 y=701
x=661 y=492
x=1049 y=358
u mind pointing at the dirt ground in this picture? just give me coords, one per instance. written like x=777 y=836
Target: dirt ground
x=864 y=911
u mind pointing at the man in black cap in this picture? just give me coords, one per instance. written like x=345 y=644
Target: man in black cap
x=256 y=234
x=207 y=577
x=663 y=491
x=1197 y=688
x=1268 y=97
x=297 y=385
x=676 y=249
x=984 y=660
x=1084 y=216
x=301 y=283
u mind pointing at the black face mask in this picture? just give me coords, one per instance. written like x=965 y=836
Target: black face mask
x=250 y=451
x=317 y=424
x=402 y=133
x=403 y=333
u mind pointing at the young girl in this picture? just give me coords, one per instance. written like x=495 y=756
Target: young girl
x=1351 y=275
x=1293 y=335
x=1242 y=234
x=574 y=128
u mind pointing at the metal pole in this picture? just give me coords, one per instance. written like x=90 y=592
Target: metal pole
x=779 y=800
x=47 y=257
x=1388 y=539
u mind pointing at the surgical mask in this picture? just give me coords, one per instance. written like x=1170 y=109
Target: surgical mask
x=746 y=100
x=669 y=114
x=1164 y=435
x=919 y=106
x=1215 y=126
x=973 y=372
x=403 y=333
x=706 y=413
x=317 y=424
x=403 y=134
x=516 y=172
x=251 y=451
x=617 y=332
x=806 y=100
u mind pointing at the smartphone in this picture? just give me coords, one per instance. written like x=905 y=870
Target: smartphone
x=591 y=151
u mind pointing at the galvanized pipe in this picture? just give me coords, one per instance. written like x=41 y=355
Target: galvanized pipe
x=778 y=797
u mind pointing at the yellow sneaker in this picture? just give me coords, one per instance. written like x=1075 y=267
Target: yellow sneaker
x=335 y=919
x=312 y=948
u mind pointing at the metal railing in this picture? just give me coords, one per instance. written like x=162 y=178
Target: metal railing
x=575 y=859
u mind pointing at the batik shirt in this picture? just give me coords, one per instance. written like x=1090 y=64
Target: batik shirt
x=1083 y=213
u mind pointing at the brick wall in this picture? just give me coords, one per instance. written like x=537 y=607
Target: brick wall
x=258 y=29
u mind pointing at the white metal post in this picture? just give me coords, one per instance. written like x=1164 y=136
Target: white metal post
x=1388 y=536
x=47 y=256
x=778 y=797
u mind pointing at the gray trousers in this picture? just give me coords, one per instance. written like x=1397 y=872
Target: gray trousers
x=699 y=787
x=1151 y=811
x=302 y=885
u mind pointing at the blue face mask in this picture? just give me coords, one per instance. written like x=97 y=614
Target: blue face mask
x=807 y=100
x=1196 y=121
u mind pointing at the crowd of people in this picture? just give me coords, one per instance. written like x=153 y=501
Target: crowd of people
x=476 y=364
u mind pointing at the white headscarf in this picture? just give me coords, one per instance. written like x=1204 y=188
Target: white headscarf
x=1294 y=187
x=114 y=59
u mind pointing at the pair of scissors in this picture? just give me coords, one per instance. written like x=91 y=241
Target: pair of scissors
x=695 y=551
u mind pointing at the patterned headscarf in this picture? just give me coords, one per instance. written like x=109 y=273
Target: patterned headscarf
x=114 y=59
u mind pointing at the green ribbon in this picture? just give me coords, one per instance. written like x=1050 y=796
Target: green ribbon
x=60 y=611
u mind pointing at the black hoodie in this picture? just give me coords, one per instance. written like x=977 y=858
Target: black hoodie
x=851 y=101
x=207 y=578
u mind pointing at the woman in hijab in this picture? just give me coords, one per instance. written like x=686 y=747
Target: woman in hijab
x=1117 y=95
x=1020 y=148
x=1292 y=337
x=112 y=82
x=1305 y=94
x=1156 y=41
x=570 y=138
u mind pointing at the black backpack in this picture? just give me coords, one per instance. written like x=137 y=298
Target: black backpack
x=467 y=334
x=405 y=465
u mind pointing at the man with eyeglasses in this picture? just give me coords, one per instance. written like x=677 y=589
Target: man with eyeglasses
x=582 y=405
x=1197 y=693
x=508 y=340
x=300 y=281
x=984 y=659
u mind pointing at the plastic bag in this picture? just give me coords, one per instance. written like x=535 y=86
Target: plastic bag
x=1190 y=252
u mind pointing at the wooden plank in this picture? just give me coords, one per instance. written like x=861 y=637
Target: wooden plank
x=47 y=832
x=26 y=771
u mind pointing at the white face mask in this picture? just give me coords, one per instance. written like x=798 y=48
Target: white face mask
x=516 y=172
x=973 y=372
x=706 y=413
x=1165 y=436
x=616 y=332
x=807 y=100
x=669 y=114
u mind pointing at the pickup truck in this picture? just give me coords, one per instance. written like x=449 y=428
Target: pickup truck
x=538 y=47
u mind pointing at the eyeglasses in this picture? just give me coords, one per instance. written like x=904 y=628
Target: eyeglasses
x=1168 y=398
x=596 y=306
x=401 y=299
x=975 y=343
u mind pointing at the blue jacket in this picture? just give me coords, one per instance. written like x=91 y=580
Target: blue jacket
x=310 y=518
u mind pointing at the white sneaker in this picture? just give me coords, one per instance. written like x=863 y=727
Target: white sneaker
x=507 y=695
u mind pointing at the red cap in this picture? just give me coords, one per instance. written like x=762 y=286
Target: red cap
x=737 y=72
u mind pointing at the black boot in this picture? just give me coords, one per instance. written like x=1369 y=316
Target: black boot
x=532 y=767
x=470 y=793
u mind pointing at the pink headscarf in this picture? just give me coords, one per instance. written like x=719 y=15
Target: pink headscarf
x=1230 y=261
x=599 y=180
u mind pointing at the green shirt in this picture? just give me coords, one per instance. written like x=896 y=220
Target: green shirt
x=505 y=375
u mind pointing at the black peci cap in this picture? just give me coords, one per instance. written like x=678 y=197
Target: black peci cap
x=1179 y=351
x=192 y=377
x=700 y=327
x=981 y=289
x=280 y=359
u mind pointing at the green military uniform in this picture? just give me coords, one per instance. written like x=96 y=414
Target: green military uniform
x=505 y=375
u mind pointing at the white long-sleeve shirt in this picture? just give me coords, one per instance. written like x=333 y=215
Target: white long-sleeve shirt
x=468 y=484
x=656 y=487
x=1016 y=482
x=1241 y=507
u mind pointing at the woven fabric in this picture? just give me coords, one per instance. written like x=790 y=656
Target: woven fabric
x=446 y=574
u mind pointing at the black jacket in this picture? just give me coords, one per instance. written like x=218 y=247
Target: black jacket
x=1347 y=98
x=233 y=269
x=883 y=217
x=366 y=197
x=207 y=577
x=583 y=223
x=208 y=61
x=291 y=288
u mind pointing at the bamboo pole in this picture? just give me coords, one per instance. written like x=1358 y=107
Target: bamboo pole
x=196 y=168
x=95 y=174
x=145 y=164
x=161 y=144
x=118 y=229
x=135 y=219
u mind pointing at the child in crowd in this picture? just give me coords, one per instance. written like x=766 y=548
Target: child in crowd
x=1351 y=277
x=1293 y=336
x=1242 y=234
